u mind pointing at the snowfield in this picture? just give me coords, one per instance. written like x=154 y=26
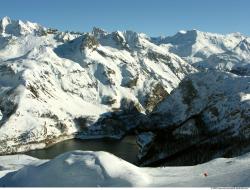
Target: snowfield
x=102 y=169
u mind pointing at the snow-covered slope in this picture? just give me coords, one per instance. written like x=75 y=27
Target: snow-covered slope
x=101 y=169
x=15 y=162
x=56 y=84
x=208 y=50
x=236 y=60
x=211 y=112
x=196 y=45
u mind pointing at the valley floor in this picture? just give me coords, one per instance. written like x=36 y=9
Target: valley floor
x=102 y=169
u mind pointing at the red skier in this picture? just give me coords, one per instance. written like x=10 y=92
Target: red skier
x=205 y=174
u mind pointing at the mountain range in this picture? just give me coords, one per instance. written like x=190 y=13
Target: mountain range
x=179 y=94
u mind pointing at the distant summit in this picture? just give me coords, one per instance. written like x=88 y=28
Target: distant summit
x=18 y=27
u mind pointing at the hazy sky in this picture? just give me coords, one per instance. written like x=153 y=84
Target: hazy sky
x=153 y=17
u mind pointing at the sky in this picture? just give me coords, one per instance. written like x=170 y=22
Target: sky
x=153 y=17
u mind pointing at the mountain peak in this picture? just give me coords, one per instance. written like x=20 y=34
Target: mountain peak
x=6 y=19
x=18 y=27
x=96 y=31
x=182 y=32
x=244 y=45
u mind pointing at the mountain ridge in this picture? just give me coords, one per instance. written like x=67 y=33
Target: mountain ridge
x=57 y=85
x=50 y=78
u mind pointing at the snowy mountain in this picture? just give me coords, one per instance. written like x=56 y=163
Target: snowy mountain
x=18 y=27
x=196 y=45
x=213 y=115
x=236 y=61
x=210 y=51
x=58 y=85
x=55 y=85
x=102 y=169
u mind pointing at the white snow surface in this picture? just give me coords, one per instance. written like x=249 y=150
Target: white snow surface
x=102 y=169
x=15 y=162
